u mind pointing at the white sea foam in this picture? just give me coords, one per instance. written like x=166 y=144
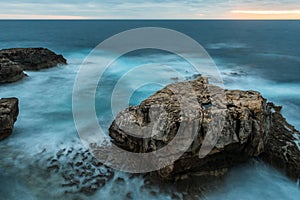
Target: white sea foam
x=280 y=56
x=228 y=45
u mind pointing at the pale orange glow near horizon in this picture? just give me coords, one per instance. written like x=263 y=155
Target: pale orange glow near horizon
x=265 y=14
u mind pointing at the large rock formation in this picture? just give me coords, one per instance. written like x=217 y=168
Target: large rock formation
x=9 y=111
x=14 y=61
x=250 y=127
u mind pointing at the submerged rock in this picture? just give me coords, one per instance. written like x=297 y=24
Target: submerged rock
x=8 y=115
x=14 y=61
x=81 y=172
x=250 y=128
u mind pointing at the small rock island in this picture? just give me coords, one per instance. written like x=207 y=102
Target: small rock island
x=253 y=127
x=14 y=61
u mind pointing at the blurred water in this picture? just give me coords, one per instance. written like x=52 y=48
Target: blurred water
x=248 y=58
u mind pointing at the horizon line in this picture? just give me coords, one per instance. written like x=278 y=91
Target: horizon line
x=149 y=19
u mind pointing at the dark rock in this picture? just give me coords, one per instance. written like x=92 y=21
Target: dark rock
x=78 y=164
x=283 y=146
x=100 y=182
x=120 y=181
x=14 y=61
x=72 y=183
x=250 y=129
x=53 y=167
x=53 y=161
x=33 y=58
x=50 y=158
x=10 y=71
x=69 y=151
x=60 y=153
x=79 y=177
x=129 y=195
x=9 y=111
x=68 y=177
x=88 y=190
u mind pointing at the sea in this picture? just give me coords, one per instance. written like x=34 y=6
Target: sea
x=249 y=55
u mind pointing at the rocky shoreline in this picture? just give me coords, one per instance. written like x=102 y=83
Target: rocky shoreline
x=14 y=61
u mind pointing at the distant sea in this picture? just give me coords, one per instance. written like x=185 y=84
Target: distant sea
x=256 y=55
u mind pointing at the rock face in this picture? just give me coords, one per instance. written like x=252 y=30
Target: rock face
x=10 y=71
x=8 y=115
x=14 y=61
x=250 y=128
x=283 y=146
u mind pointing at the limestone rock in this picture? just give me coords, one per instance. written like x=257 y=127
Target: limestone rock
x=8 y=115
x=243 y=134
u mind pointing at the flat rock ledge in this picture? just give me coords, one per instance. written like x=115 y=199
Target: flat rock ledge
x=8 y=115
x=14 y=61
x=253 y=127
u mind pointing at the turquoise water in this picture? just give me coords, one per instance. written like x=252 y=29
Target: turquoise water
x=46 y=123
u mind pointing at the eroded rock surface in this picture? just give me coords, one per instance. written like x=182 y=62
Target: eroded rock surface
x=283 y=145
x=8 y=115
x=14 y=61
x=250 y=128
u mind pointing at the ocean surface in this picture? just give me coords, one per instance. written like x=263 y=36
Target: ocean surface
x=256 y=55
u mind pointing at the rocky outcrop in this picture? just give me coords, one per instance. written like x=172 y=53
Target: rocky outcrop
x=33 y=58
x=250 y=127
x=8 y=115
x=14 y=61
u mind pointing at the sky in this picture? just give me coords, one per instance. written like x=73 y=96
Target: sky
x=150 y=9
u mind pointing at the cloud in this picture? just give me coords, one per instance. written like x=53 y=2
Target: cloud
x=28 y=16
x=142 y=9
